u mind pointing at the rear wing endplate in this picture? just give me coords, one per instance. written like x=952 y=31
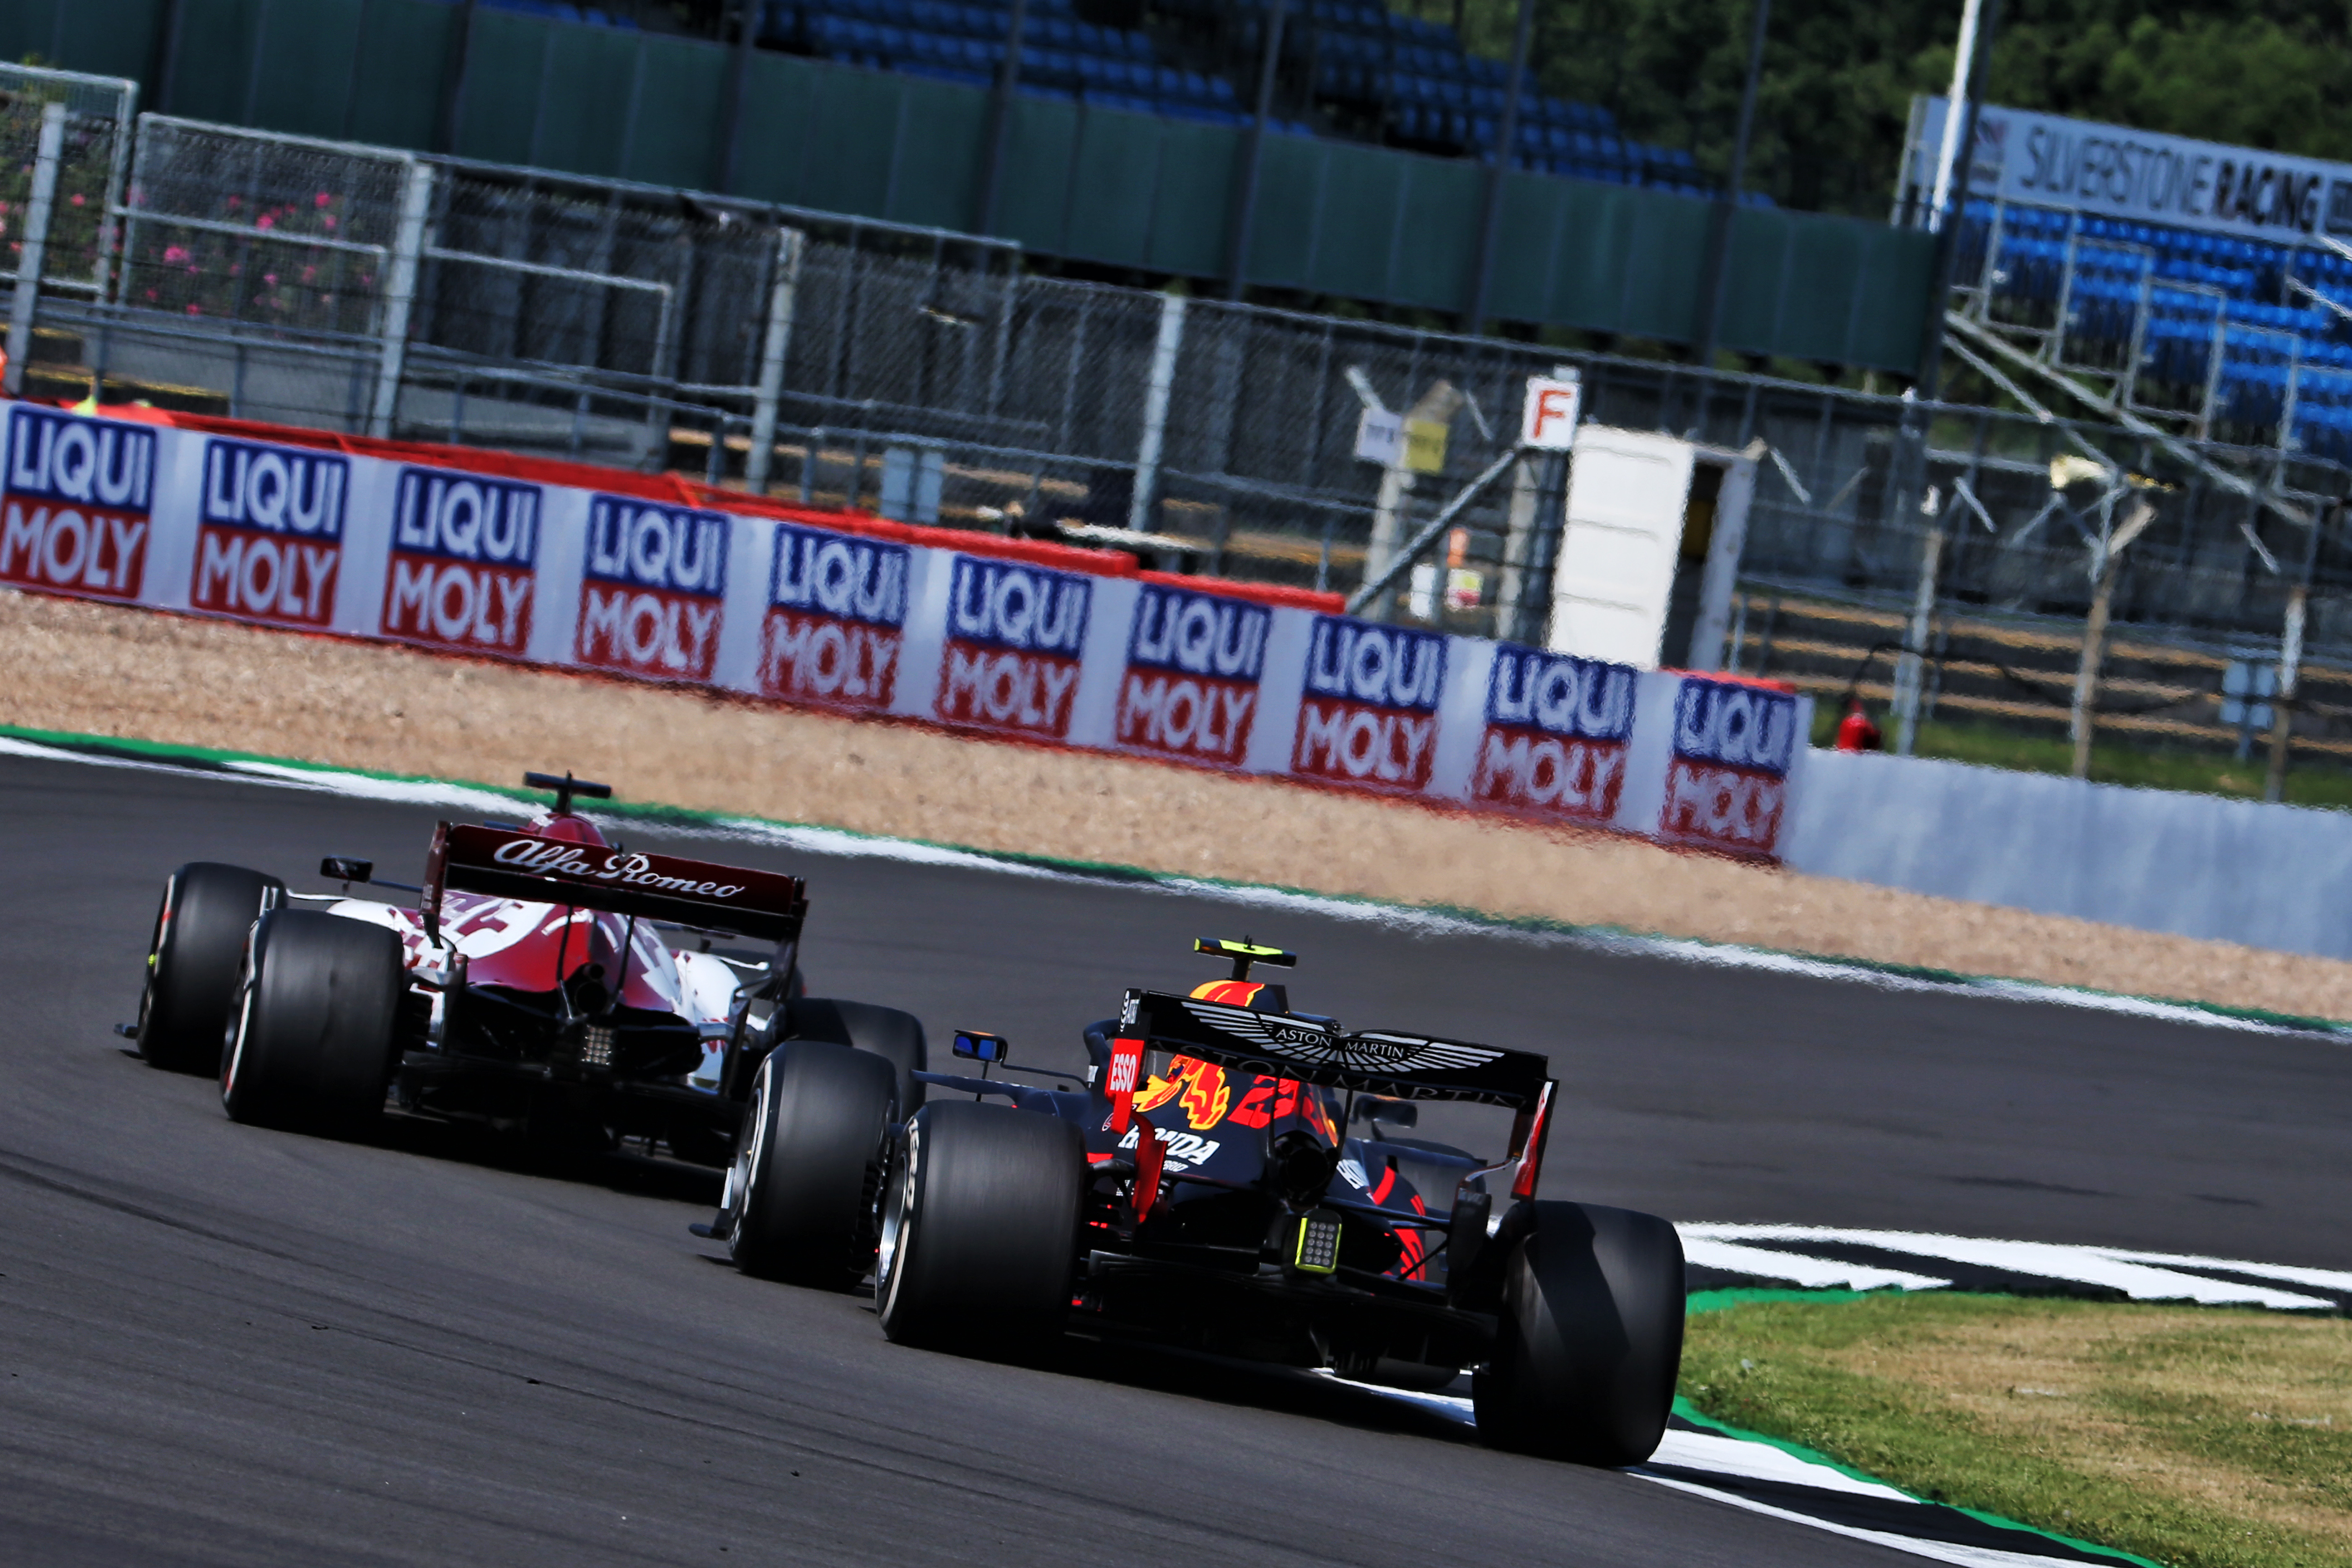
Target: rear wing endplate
x=509 y=863
x=1402 y=1066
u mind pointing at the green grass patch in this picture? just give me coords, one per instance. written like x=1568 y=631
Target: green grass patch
x=2199 y=1438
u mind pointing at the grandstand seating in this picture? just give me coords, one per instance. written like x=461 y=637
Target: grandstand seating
x=2228 y=328
x=1410 y=74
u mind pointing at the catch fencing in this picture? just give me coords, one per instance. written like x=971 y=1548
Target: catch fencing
x=930 y=374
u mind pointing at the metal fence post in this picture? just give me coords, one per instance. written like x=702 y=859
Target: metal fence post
x=782 y=301
x=400 y=295
x=1915 y=644
x=50 y=152
x=1155 y=411
x=2290 y=665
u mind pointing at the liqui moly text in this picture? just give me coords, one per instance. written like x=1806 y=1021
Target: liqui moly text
x=1193 y=664
x=74 y=517
x=836 y=619
x=464 y=561
x=1368 y=715
x=1014 y=634
x=269 y=541
x=1727 y=779
x=653 y=590
x=1556 y=736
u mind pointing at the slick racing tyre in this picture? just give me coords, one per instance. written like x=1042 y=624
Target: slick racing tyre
x=1590 y=1337
x=193 y=960
x=896 y=1036
x=318 y=1011
x=979 y=1229
x=801 y=1195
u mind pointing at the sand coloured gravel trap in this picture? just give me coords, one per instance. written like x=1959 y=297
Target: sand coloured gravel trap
x=106 y=671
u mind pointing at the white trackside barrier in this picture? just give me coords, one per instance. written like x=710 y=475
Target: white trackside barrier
x=487 y=556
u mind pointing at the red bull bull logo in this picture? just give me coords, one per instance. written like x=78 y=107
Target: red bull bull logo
x=1199 y=1089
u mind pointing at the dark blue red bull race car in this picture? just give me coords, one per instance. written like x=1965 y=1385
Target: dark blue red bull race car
x=1236 y=1180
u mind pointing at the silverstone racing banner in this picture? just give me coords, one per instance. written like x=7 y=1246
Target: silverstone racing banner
x=486 y=555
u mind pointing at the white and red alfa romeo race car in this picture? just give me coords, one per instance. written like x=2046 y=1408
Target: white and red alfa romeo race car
x=546 y=979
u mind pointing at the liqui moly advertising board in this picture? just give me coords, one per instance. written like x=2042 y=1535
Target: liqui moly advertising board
x=270 y=535
x=1194 y=665
x=1726 y=778
x=464 y=561
x=836 y=619
x=1556 y=736
x=1367 y=715
x=74 y=515
x=653 y=589
x=1014 y=634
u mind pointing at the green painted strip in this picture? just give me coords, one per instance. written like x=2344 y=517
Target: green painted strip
x=1716 y=1300
x=1534 y=925
x=1698 y=1417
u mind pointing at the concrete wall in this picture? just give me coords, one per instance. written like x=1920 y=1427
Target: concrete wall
x=2265 y=876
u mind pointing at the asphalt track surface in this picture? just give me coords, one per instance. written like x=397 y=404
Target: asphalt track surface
x=223 y=1345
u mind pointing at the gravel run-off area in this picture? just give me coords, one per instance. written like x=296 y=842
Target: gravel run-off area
x=138 y=674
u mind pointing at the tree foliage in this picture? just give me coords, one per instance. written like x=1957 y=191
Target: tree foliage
x=1839 y=74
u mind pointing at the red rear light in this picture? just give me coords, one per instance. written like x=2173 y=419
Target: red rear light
x=1523 y=1185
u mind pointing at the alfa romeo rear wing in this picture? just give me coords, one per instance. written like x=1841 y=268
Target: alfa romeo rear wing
x=509 y=863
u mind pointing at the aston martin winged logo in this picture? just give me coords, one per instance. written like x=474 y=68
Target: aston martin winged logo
x=1316 y=1045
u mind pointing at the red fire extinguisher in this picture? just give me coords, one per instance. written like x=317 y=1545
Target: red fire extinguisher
x=1856 y=731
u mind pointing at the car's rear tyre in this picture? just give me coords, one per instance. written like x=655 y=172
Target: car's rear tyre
x=317 y=1024
x=886 y=1032
x=979 y=1229
x=1590 y=1337
x=800 y=1204
x=193 y=962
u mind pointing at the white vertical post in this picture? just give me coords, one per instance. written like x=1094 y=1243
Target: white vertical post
x=49 y=153
x=400 y=295
x=2290 y=668
x=1956 y=104
x=1155 y=411
x=1909 y=670
x=782 y=300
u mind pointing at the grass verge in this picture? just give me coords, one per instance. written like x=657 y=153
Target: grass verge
x=2199 y=1438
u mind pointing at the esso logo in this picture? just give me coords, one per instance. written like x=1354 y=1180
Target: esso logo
x=1199 y=634
x=1027 y=609
x=1384 y=667
x=646 y=545
x=69 y=459
x=1735 y=726
x=274 y=490
x=1560 y=695
x=836 y=574
x=463 y=517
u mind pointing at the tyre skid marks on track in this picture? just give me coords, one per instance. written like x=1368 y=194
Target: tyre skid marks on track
x=845 y=844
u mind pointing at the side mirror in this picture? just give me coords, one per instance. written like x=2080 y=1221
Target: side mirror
x=336 y=868
x=1391 y=1112
x=973 y=1045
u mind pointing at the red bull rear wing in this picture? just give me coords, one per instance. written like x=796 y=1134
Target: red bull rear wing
x=508 y=863
x=1275 y=1045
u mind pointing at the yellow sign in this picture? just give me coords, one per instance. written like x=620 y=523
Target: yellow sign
x=1424 y=445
